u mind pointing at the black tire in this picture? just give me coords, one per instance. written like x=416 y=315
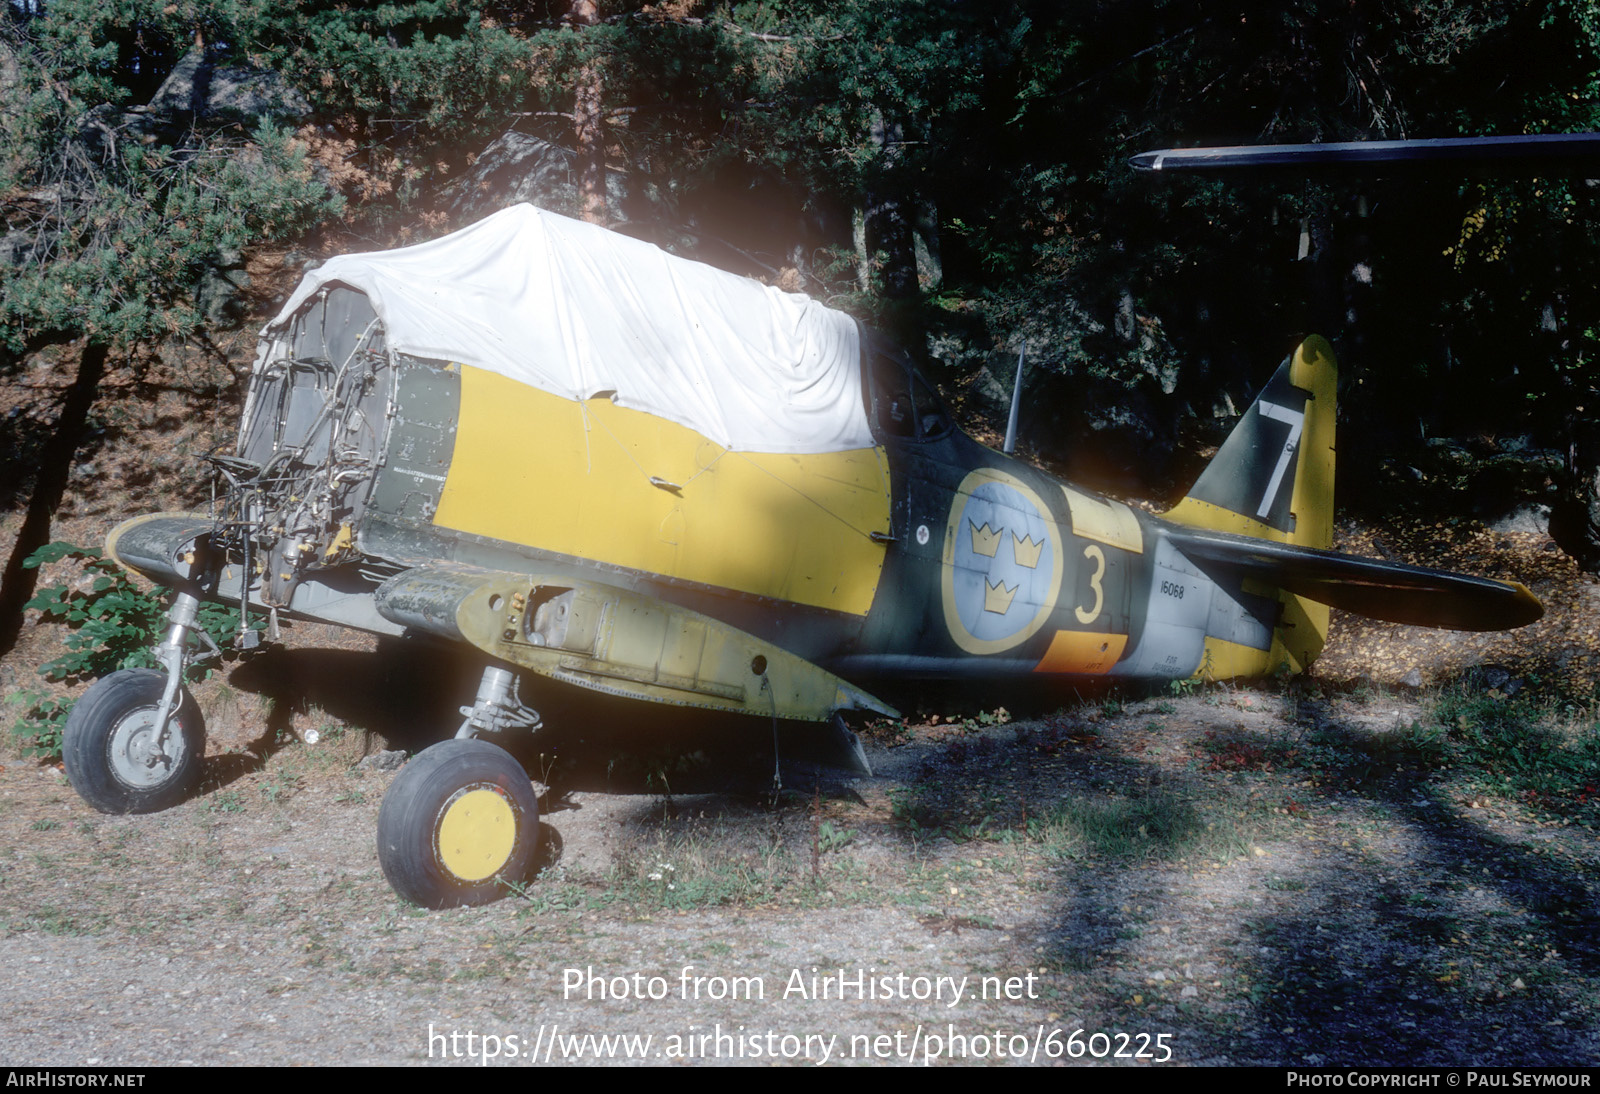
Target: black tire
x=107 y=733
x=459 y=823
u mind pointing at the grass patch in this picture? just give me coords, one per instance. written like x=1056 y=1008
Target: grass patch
x=1240 y=750
x=1154 y=824
x=686 y=872
x=225 y=801
x=1541 y=752
x=1339 y=755
x=554 y=895
x=59 y=921
x=279 y=786
x=710 y=864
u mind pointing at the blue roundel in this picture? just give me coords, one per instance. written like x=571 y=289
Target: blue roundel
x=1004 y=570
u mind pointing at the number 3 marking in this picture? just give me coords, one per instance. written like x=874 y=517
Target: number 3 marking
x=1093 y=613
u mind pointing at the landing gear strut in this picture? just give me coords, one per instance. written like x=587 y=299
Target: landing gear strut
x=461 y=821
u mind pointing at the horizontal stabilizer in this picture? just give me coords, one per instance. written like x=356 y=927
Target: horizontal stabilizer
x=1390 y=591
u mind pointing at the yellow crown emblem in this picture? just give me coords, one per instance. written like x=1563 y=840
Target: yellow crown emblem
x=997 y=598
x=1026 y=550
x=985 y=540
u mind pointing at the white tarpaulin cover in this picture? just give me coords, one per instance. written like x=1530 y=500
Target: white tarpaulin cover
x=577 y=310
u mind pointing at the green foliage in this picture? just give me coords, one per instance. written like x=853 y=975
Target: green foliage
x=976 y=723
x=122 y=258
x=119 y=52
x=831 y=838
x=114 y=218
x=227 y=801
x=42 y=719
x=1540 y=752
x=113 y=624
x=999 y=129
x=416 y=87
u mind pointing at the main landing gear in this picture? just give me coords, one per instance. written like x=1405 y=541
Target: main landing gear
x=460 y=823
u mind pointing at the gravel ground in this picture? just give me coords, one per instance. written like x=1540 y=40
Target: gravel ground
x=1253 y=912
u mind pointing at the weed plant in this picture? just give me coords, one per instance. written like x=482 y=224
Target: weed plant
x=114 y=624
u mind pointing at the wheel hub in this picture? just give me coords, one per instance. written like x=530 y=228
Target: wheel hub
x=137 y=756
x=477 y=832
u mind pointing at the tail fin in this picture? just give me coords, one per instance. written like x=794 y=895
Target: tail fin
x=1259 y=522
x=1273 y=479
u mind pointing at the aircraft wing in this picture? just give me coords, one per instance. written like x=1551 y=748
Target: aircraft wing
x=1390 y=591
x=1553 y=155
x=617 y=641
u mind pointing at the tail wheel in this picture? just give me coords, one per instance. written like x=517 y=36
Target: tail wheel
x=460 y=822
x=111 y=750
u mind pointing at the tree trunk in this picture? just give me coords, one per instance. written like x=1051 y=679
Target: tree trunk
x=858 y=237
x=55 y=465
x=929 y=252
x=588 y=131
x=888 y=217
x=888 y=222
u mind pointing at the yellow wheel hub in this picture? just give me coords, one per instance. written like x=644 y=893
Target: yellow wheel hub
x=477 y=831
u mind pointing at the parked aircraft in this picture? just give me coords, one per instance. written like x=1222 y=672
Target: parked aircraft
x=597 y=463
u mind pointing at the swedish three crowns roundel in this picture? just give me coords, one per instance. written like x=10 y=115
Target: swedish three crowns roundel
x=1002 y=563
